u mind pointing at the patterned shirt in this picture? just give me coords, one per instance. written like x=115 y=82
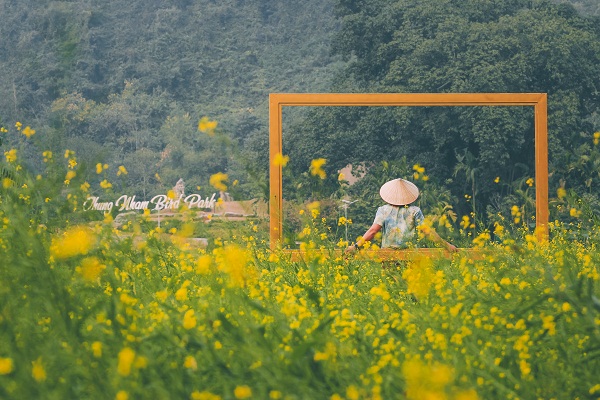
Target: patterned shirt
x=398 y=224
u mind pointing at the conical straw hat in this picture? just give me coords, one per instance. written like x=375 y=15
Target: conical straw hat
x=399 y=192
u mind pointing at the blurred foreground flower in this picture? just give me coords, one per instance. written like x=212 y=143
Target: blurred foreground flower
x=280 y=160
x=37 y=370
x=207 y=126
x=316 y=168
x=28 y=132
x=11 y=155
x=126 y=357
x=6 y=366
x=217 y=180
x=91 y=268
x=235 y=262
x=73 y=242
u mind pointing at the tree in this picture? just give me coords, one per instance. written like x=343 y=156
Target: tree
x=446 y=46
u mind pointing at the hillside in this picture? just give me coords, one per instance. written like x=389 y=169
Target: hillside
x=125 y=82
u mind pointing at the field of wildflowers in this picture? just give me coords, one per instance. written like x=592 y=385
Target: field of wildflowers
x=91 y=311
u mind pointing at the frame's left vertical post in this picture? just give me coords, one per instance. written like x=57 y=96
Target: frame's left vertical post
x=275 y=171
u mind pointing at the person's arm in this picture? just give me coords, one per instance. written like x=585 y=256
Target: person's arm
x=367 y=237
x=435 y=237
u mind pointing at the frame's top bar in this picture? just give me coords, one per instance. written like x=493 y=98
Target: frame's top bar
x=405 y=99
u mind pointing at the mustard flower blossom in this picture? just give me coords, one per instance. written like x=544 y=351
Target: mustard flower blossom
x=6 y=365
x=242 y=392
x=28 y=132
x=280 y=160
x=75 y=241
x=207 y=126
x=11 y=155
x=316 y=168
x=217 y=181
x=38 y=371
x=125 y=361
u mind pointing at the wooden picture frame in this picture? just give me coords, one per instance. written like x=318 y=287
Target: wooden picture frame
x=539 y=101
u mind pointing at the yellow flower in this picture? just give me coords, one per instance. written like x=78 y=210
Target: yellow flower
x=6 y=366
x=329 y=353
x=418 y=276
x=18 y=125
x=596 y=139
x=207 y=126
x=314 y=208
x=498 y=229
x=561 y=192
x=105 y=184
x=529 y=182
x=217 y=180
x=181 y=294
x=204 y=396
x=126 y=358
x=426 y=381
x=189 y=320
x=97 y=349
x=91 y=269
x=316 y=168
x=575 y=213
x=280 y=160
x=525 y=368
x=70 y=175
x=121 y=171
x=465 y=222
x=352 y=393
x=47 y=155
x=99 y=168
x=7 y=182
x=161 y=295
x=242 y=392
x=11 y=155
x=190 y=363
x=497 y=180
x=37 y=370
x=235 y=262
x=73 y=242
x=122 y=395
x=28 y=132
x=418 y=168
x=469 y=394
x=203 y=264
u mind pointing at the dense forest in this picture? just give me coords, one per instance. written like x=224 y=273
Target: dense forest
x=126 y=82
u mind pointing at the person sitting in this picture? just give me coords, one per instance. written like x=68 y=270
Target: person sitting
x=398 y=220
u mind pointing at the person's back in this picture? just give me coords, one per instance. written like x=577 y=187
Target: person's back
x=398 y=220
x=399 y=224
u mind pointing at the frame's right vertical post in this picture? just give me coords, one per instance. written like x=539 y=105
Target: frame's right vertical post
x=541 y=167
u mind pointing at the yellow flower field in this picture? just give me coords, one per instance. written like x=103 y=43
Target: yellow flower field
x=91 y=311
